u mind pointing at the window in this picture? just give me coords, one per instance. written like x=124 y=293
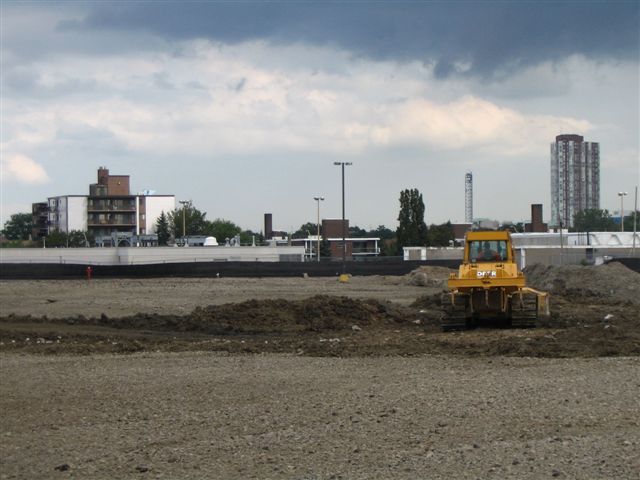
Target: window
x=488 y=251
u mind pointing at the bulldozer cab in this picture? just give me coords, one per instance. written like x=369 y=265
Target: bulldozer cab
x=482 y=247
x=488 y=251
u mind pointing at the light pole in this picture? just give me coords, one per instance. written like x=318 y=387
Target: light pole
x=621 y=195
x=344 y=227
x=318 y=200
x=635 y=220
x=184 y=222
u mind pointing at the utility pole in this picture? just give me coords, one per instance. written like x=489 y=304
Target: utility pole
x=318 y=200
x=344 y=226
x=635 y=220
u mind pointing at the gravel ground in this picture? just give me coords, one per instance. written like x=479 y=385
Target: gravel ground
x=203 y=415
x=367 y=413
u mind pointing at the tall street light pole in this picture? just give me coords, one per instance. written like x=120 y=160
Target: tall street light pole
x=184 y=222
x=344 y=226
x=621 y=195
x=318 y=200
x=635 y=220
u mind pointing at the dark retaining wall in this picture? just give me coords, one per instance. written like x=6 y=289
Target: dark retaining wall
x=229 y=269
x=214 y=269
x=632 y=263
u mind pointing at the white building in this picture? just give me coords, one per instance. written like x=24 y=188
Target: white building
x=67 y=213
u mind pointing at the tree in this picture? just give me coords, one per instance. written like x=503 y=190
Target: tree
x=325 y=248
x=162 y=229
x=79 y=238
x=305 y=230
x=18 y=227
x=383 y=233
x=628 y=221
x=412 y=231
x=441 y=235
x=194 y=221
x=56 y=239
x=357 y=232
x=593 y=220
x=388 y=247
x=247 y=237
x=221 y=229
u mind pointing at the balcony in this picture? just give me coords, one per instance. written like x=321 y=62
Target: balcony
x=111 y=222
x=108 y=207
x=120 y=219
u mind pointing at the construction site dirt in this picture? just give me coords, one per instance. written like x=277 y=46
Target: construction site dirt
x=594 y=313
x=231 y=378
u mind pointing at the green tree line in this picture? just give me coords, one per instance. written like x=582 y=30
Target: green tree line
x=598 y=220
x=189 y=221
x=411 y=230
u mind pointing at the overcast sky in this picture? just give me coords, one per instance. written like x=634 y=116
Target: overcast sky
x=244 y=106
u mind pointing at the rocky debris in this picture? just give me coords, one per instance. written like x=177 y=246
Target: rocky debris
x=63 y=467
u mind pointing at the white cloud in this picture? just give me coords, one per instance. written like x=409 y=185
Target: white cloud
x=23 y=169
x=223 y=111
x=468 y=122
x=365 y=105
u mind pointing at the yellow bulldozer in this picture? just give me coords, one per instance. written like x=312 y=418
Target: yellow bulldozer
x=489 y=288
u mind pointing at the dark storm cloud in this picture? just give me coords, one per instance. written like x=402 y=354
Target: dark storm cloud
x=488 y=37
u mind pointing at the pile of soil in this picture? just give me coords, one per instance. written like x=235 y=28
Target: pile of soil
x=612 y=282
x=316 y=314
x=428 y=276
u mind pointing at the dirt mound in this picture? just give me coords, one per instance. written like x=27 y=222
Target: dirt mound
x=428 y=276
x=610 y=282
x=318 y=313
x=315 y=314
x=333 y=326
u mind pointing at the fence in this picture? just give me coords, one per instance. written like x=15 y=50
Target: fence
x=149 y=255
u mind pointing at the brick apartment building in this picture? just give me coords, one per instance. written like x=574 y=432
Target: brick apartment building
x=109 y=209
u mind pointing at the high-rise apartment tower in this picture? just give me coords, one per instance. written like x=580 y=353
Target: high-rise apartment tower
x=575 y=178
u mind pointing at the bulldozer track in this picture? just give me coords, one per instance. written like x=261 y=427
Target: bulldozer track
x=455 y=314
x=524 y=311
